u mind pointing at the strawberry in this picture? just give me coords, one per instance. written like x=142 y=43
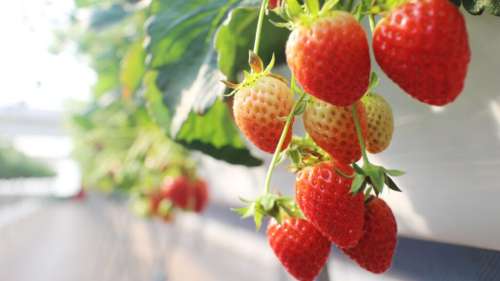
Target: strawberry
x=375 y=249
x=273 y=4
x=301 y=248
x=180 y=191
x=423 y=47
x=200 y=195
x=261 y=104
x=324 y=197
x=332 y=128
x=380 y=122
x=160 y=206
x=329 y=57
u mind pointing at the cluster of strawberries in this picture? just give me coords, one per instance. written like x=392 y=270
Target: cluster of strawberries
x=421 y=45
x=178 y=193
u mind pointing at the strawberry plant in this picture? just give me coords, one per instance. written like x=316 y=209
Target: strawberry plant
x=159 y=89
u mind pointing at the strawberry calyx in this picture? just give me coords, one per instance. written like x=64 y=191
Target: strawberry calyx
x=165 y=208
x=303 y=152
x=296 y=14
x=269 y=205
x=370 y=177
x=257 y=71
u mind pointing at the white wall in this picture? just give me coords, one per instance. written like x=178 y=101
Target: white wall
x=451 y=155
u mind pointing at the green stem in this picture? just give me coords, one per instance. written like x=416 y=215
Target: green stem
x=359 y=133
x=349 y=5
x=260 y=22
x=283 y=136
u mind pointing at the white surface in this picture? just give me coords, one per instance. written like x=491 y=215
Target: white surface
x=451 y=155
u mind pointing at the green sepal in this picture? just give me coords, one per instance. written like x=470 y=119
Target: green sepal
x=293 y=8
x=394 y=172
x=301 y=107
x=312 y=6
x=357 y=183
x=328 y=6
x=391 y=184
x=165 y=207
x=374 y=81
x=269 y=205
x=378 y=178
x=358 y=169
x=303 y=152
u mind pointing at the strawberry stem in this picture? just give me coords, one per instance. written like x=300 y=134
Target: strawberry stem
x=359 y=133
x=277 y=151
x=260 y=22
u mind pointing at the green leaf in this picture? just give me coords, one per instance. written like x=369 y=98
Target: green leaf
x=236 y=36
x=181 y=48
x=104 y=17
x=474 y=7
x=215 y=134
x=477 y=7
x=154 y=102
x=132 y=68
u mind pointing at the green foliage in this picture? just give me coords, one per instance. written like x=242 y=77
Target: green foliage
x=218 y=140
x=15 y=164
x=118 y=146
x=477 y=7
x=233 y=52
x=164 y=54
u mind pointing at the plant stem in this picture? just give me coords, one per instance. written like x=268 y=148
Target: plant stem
x=349 y=6
x=260 y=22
x=284 y=133
x=359 y=133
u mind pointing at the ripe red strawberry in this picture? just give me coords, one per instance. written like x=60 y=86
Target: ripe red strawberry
x=260 y=110
x=380 y=122
x=330 y=58
x=423 y=47
x=180 y=191
x=200 y=195
x=375 y=249
x=273 y=4
x=324 y=197
x=301 y=248
x=332 y=128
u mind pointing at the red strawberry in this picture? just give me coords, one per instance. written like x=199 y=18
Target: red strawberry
x=423 y=47
x=380 y=122
x=273 y=4
x=375 y=249
x=301 y=248
x=330 y=58
x=324 y=197
x=201 y=195
x=260 y=110
x=332 y=128
x=180 y=191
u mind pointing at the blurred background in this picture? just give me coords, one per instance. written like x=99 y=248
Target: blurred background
x=99 y=103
